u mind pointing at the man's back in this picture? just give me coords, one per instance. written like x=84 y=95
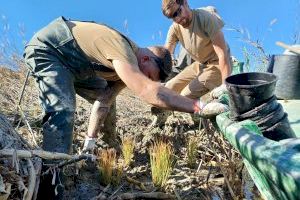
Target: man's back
x=102 y=44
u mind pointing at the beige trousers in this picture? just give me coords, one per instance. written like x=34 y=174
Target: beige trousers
x=196 y=80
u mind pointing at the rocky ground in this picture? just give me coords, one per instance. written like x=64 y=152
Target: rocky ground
x=217 y=174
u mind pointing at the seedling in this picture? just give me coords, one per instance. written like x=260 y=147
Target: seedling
x=162 y=162
x=128 y=144
x=192 y=152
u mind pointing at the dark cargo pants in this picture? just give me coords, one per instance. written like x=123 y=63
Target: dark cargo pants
x=61 y=70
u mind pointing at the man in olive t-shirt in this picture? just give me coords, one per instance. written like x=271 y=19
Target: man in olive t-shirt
x=199 y=31
x=95 y=61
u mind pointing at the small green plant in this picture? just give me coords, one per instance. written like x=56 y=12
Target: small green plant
x=128 y=144
x=107 y=162
x=162 y=162
x=192 y=152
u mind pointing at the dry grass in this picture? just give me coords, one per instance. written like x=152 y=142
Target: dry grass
x=128 y=143
x=11 y=85
x=192 y=151
x=107 y=161
x=111 y=172
x=162 y=161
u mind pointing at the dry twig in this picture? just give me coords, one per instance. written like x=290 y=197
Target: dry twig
x=102 y=196
x=212 y=137
x=38 y=169
x=137 y=183
x=42 y=154
x=31 y=181
x=151 y=195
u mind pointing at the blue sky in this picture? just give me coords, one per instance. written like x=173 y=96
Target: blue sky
x=264 y=20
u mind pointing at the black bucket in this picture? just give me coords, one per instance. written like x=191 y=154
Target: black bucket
x=287 y=70
x=249 y=90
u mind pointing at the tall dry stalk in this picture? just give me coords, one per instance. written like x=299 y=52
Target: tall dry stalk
x=128 y=144
x=192 y=152
x=255 y=56
x=162 y=161
x=296 y=34
x=10 y=50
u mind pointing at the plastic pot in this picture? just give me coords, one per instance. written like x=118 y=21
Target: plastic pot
x=249 y=90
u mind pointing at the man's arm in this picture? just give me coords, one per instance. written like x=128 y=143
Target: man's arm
x=101 y=108
x=151 y=92
x=170 y=47
x=221 y=50
x=171 y=40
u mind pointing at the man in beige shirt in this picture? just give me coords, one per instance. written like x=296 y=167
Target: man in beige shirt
x=199 y=31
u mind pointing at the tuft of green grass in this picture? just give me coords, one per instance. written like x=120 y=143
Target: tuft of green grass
x=162 y=162
x=192 y=152
x=107 y=162
x=128 y=144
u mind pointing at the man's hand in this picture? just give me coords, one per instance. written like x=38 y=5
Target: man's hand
x=211 y=109
x=218 y=91
x=89 y=144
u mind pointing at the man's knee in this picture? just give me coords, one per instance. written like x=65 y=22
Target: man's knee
x=194 y=93
x=174 y=85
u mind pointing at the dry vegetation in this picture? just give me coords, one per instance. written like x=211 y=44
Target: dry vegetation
x=206 y=166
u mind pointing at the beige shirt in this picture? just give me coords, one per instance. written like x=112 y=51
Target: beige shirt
x=102 y=44
x=197 y=38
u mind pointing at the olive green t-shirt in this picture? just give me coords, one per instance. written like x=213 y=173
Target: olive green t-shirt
x=102 y=44
x=197 y=38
